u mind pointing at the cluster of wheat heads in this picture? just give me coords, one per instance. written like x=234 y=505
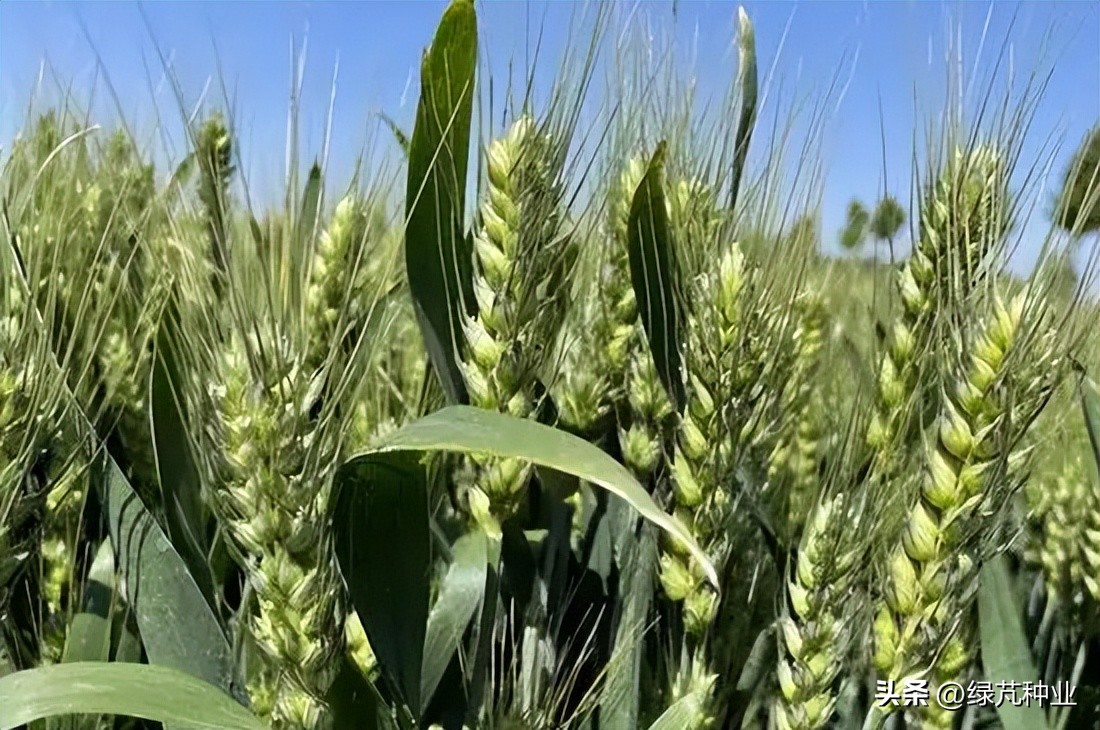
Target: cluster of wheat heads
x=605 y=446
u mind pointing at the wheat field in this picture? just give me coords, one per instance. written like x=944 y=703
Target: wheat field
x=570 y=425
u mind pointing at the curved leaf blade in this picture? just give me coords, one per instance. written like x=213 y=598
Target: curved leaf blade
x=437 y=253
x=146 y=691
x=653 y=275
x=464 y=429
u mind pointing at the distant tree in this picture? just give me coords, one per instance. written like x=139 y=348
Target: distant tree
x=1078 y=207
x=887 y=219
x=855 y=229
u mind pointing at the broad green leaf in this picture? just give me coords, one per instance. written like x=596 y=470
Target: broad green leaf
x=685 y=712
x=159 y=694
x=654 y=276
x=1006 y=655
x=459 y=597
x=1090 y=404
x=748 y=84
x=177 y=626
x=383 y=545
x=89 y=634
x=464 y=429
x=437 y=253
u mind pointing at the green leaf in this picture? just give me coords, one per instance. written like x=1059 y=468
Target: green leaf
x=183 y=173
x=518 y=569
x=748 y=83
x=383 y=546
x=459 y=597
x=311 y=206
x=89 y=634
x=623 y=690
x=159 y=694
x=483 y=642
x=355 y=703
x=257 y=234
x=597 y=550
x=180 y=487
x=468 y=430
x=177 y=626
x=1090 y=404
x=653 y=275
x=437 y=253
x=685 y=712
x=129 y=641
x=1006 y=655
x=398 y=133
x=760 y=662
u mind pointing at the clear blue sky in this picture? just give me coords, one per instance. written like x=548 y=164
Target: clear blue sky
x=892 y=52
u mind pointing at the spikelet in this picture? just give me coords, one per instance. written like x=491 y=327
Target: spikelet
x=126 y=365
x=964 y=214
x=359 y=648
x=214 y=152
x=963 y=219
x=969 y=468
x=616 y=328
x=581 y=391
x=696 y=681
x=20 y=500
x=702 y=464
x=1065 y=531
x=523 y=258
x=41 y=468
x=817 y=632
x=353 y=262
x=335 y=280
x=64 y=503
x=793 y=461
x=272 y=501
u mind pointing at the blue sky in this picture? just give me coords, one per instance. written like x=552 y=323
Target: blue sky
x=888 y=56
